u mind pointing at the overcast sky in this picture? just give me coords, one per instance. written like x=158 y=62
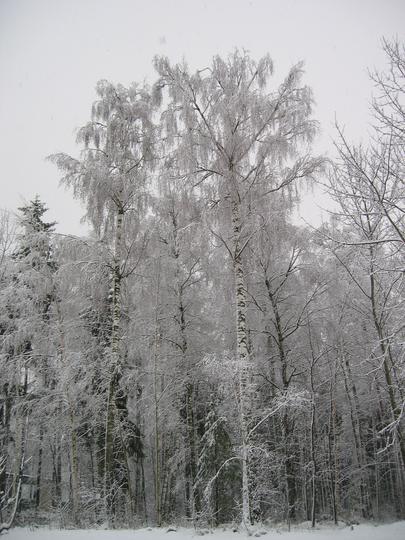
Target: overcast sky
x=52 y=53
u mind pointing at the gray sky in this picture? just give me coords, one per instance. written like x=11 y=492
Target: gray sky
x=52 y=53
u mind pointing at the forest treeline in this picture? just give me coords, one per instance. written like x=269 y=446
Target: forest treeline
x=200 y=357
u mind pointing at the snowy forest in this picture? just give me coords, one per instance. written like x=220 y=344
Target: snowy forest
x=200 y=357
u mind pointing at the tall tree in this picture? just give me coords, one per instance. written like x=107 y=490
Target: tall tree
x=238 y=142
x=111 y=178
x=27 y=297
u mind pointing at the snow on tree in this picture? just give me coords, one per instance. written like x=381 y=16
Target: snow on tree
x=238 y=142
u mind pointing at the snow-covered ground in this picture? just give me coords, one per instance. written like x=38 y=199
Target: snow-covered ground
x=393 y=531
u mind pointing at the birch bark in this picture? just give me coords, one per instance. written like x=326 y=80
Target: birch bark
x=115 y=368
x=242 y=355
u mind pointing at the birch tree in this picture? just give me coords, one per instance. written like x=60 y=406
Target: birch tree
x=239 y=141
x=111 y=178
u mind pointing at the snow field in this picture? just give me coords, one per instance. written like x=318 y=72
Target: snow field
x=392 y=531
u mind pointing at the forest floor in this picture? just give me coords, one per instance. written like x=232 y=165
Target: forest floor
x=392 y=531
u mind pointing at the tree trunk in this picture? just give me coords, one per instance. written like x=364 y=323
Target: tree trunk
x=74 y=468
x=157 y=449
x=8 y=524
x=192 y=501
x=243 y=357
x=39 y=468
x=351 y=393
x=332 y=450
x=22 y=422
x=115 y=370
x=71 y=419
x=313 y=459
x=387 y=360
x=287 y=427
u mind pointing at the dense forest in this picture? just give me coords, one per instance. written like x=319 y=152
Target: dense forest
x=200 y=357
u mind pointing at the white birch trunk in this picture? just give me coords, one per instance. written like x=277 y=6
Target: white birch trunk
x=243 y=357
x=115 y=368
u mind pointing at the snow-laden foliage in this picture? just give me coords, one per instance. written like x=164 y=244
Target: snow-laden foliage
x=201 y=359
